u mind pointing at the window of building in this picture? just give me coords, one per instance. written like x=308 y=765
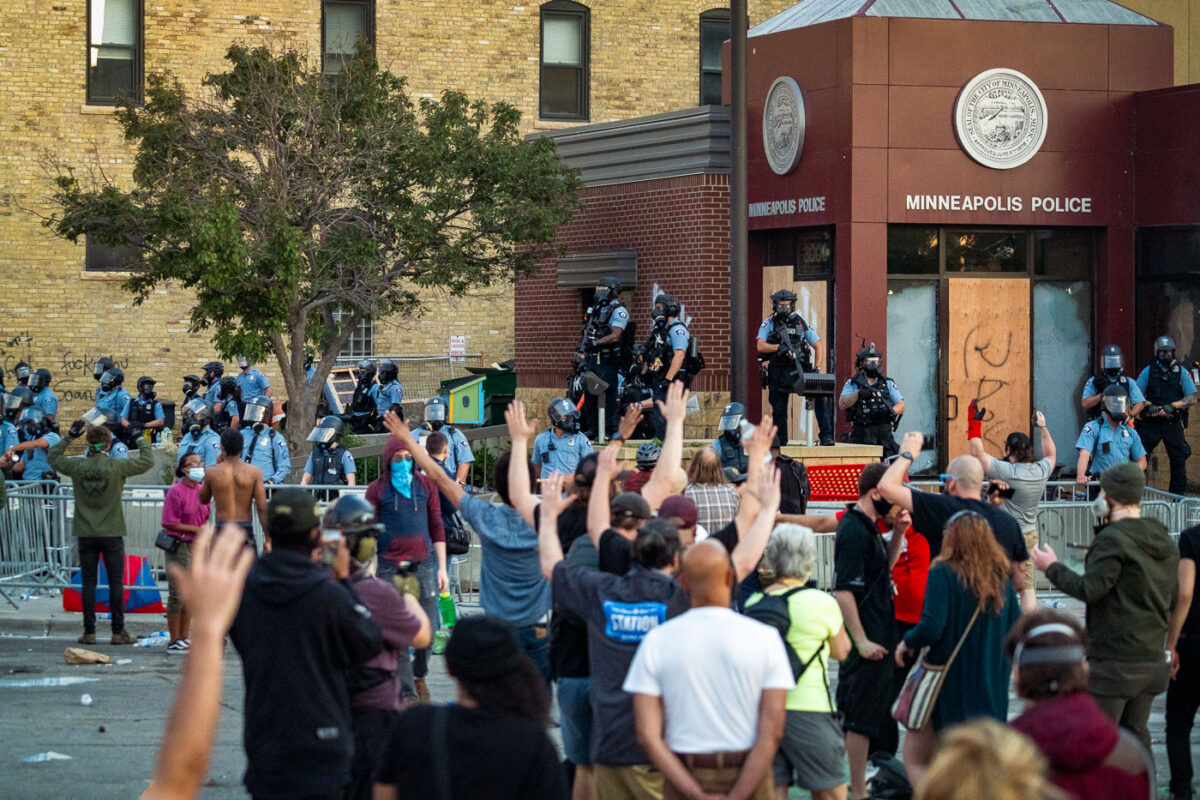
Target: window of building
x=343 y=23
x=1168 y=291
x=714 y=31
x=565 y=57
x=362 y=339
x=114 y=51
x=106 y=258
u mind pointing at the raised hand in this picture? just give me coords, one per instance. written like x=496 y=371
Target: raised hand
x=675 y=408
x=767 y=489
x=518 y=426
x=629 y=422
x=553 y=502
x=759 y=443
x=399 y=428
x=607 y=466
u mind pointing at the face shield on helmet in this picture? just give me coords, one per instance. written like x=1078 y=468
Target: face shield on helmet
x=731 y=417
x=199 y=408
x=326 y=431
x=22 y=371
x=1116 y=405
x=1164 y=350
x=243 y=362
x=257 y=411
x=563 y=415
x=100 y=366
x=32 y=420
x=39 y=380
x=1112 y=361
x=110 y=379
x=435 y=410
x=12 y=402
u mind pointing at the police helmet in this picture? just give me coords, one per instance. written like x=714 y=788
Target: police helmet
x=228 y=385
x=607 y=288
x=1164 y=345
x=191 y=383
x=19 y=397
x=388 y=371
x=257 y=409
x=199 y=408
x=355 y=518
x=327 y=430
x=436 y=410
x=1112 y=361
x=112 y=378
x=101 y=417
x=731 y=417
x=366 y=369
x=1115 y=400
x=783 y=296
x=22 y=371
x=669 y=303
x=243 y=362
x=564 y=415
x=212 y=371
x=145 y=379
x=866 y=355
x=40 y=379
x=101 y=365
x=647 y=455
x=33 y=420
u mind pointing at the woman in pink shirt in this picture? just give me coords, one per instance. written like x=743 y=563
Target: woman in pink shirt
x=183 y=516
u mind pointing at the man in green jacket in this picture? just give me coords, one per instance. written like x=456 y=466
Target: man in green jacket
x=1130 y=585
x=99 y=522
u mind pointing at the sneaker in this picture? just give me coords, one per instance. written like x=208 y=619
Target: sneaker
x=87 y=638
x=178 y=646
x=121 y=638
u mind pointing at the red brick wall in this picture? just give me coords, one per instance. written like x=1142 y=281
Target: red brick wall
x=679 y=228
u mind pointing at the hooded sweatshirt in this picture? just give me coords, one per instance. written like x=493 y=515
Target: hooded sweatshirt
x=298 y=632
x=411 y=524
x=1130 y=585
x=1076 y=738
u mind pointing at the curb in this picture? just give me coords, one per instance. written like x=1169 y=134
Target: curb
x=73 y=626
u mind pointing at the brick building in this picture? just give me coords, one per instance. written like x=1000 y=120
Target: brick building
x=561 y=63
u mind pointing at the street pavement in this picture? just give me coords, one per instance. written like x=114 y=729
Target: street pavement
x=113 y=742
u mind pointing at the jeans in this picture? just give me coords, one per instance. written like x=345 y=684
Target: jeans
x=778 y=397
x=536 y=643
x=91 y=549
x=417 y=665
x=1183 y=700
x=372 y=728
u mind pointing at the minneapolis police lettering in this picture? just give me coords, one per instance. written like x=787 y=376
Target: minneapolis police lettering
x=630 y=622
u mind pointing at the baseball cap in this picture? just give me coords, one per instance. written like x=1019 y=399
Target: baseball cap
x=734 y=476
x=680 y=508
x=292 y=509
x=632 y=504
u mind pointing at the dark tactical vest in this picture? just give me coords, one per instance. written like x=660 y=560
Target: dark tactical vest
x=874 y=406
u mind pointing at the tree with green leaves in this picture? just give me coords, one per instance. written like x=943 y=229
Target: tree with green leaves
x=295 y=204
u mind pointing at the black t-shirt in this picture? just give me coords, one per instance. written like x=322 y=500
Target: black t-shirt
x=860 y=566
x=489 y=756
x=1189 y=547
x=568 y=633
x=615 y=556
x=932 y=511
x=572 y=523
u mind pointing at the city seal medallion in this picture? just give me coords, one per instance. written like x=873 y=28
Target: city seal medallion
x=783 y=125
x=1000 y=118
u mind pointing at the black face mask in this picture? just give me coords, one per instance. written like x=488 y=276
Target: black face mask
x=1166 y=359
x=148 y=393
x=660 y=319
x=783 y=311
x=258 y=427
x=436 y=425
x=871 y=369
x=882 y=507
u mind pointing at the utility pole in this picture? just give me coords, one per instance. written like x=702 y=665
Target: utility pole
x=739 y=273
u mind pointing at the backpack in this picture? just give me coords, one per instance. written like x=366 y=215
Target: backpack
x=773 y=610
x=794 y=487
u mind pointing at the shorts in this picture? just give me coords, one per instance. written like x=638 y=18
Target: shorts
x=183 y=557
x=575 y=706
x=1031 y=541
x=864 y=693
x=812 y=752
x=637 y=782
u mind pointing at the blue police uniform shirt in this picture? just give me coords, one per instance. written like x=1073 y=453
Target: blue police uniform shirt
x=678 y=335
x=560 y=454
x=211 y=393
x=47 y=401
x=329 y=397
x=36 y=464
x=207 y=445
x=347 y=466
x=764 y=330
x=158 y=412
x=387 y=395
x=114 y=400
x=458 y=450
x=893 y=392
x=116 y=448
x=619 y=318
x=1135 y=391
x=1124 y=444
x=9 y=437
x=252 y=383
x=1185 y=380
x=270 y=453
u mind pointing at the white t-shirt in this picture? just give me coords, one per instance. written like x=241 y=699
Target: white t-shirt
x=710 y=667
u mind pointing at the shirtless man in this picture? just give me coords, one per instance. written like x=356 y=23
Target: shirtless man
x=235 y=485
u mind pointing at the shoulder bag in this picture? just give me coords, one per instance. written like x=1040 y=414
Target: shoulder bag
x=923 y=685
x=165 y=541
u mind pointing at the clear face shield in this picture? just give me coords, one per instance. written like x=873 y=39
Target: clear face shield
x=243 y=362
x=322 y=435
x=95 y=417
x=254 y=413
x=22 y=372
x=108 y=380
x=31 y=414
x=1112 y=363
x=197 y=407
x=11 y=402
x=435 y=412
x=99 y=368
x=1117 y=406
x=729 y=422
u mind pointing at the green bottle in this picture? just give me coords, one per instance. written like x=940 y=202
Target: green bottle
x=446 y=607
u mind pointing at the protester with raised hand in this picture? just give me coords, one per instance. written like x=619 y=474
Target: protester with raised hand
x=663 y=479
x=211 y=587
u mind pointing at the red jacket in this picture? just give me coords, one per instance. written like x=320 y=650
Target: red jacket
x=1076 y=737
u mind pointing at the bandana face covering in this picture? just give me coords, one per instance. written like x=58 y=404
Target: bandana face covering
x=402 y=477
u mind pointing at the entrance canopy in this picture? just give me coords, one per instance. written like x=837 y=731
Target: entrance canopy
x=813 y=12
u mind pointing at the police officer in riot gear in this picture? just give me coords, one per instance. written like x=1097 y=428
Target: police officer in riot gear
x=458 y=455
x=213 y=371
x=363 y=410
x=389 y=394
x=1109 y=439
x=787 y=345
x=16 y=401
x=1112 y=372
x=22 y=372
x=8 y=431
x=144 y=412
x=43 y=396
x=98 y=369
x=262 y=445
x=227 y=410
x=1169 y=390
x=27 y=460
x=330 y=462
x=666 y=355
x=251 y=382
x=872 y=402
x=200 y=437
x=729 y=443
x=111 y=393
x=561 y=447
x=602 y=350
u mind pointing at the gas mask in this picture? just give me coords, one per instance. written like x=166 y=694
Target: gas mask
x=600 y=298
x=783 y=310
x=872 y=367
x=148 y=391
x=1117 y=407
x=1166 y=358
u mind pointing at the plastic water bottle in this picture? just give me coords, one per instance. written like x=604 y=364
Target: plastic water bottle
x=446 y=608
x=1056 y=604
x=86 y=699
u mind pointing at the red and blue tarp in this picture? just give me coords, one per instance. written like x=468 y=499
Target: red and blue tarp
x=137 y=601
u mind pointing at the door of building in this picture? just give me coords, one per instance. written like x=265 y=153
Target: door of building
x=812 y=302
